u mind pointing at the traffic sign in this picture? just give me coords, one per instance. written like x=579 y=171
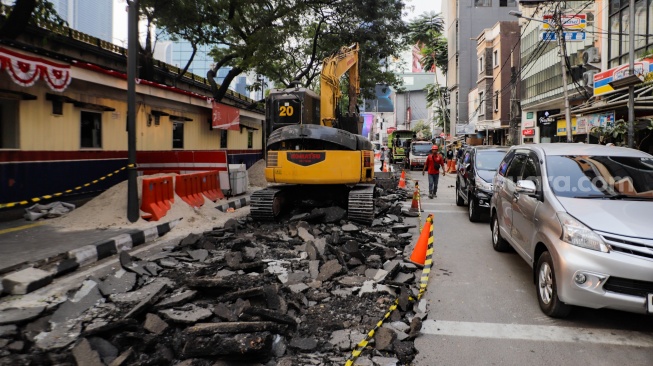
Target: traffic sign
x=569 y=36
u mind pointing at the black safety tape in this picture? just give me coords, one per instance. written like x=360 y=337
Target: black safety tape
x=428 y=262
x=48 y=196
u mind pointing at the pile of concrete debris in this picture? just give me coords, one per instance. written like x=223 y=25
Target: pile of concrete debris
x=302 y=292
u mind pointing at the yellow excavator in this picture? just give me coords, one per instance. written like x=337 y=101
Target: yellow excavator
x=315 y=152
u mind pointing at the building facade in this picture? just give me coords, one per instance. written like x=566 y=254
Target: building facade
x=497 y=54
x=63 y=118
x=464 y=21
x=542 y=98
x=92 y=17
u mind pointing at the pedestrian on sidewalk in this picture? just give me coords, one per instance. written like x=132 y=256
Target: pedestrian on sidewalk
x=433 y=164
x=383 y=156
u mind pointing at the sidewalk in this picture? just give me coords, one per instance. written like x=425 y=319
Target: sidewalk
x=32 y=253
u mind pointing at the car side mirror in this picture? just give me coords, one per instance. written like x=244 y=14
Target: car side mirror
x=526 y=187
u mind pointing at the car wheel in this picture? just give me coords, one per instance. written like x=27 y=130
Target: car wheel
x=498 y=242
x=459 y=199
x=547 y=291
x=474 y=214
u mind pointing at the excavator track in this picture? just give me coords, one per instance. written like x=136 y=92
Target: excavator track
x=266 y=204
x=361 y=204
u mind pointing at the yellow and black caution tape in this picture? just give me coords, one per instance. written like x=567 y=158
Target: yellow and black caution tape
x=419 y=205
x=362 y=344
x=48 y=196
x=428 y=263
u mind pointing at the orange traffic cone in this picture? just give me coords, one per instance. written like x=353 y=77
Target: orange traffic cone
x=385 y=166
x=402 y=179
x=418 y=256
x=414 y=206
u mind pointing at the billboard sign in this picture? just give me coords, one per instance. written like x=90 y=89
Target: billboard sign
x=643 y=69
x=569 y=22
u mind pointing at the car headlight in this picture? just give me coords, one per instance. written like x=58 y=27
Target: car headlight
x=481 y=184
x=575 y=233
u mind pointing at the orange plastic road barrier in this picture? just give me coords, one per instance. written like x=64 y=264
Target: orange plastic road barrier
x=187 y=187
x=418 y=256
x=402 y=179
x=451 y=166
x=211 y=185
x=155 y=197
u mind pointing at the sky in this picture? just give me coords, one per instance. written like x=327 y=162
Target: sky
x=422 y=6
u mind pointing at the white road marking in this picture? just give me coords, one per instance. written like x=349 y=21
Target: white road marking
x=548 y=333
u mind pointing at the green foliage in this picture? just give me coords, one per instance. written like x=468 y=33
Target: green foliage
x=618 y=133
x=422 y=130
x=426 y=31
x=14 y=19
x=286 y=39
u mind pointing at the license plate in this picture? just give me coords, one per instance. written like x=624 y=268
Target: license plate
x=649 y=303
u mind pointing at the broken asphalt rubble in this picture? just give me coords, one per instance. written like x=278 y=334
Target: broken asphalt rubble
x=304 y=291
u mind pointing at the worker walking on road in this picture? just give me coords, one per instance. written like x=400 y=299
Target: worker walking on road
x=433 y=163
x=384 y=153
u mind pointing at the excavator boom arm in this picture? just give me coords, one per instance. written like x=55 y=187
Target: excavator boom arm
x=333 y=68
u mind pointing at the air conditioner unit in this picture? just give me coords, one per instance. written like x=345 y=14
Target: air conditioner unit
x=588 y=78
x=591 y=55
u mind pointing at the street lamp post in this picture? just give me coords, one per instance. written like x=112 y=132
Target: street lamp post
x=559 y=35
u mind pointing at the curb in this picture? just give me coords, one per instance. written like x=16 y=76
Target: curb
x=241 y=202
x=29 y=279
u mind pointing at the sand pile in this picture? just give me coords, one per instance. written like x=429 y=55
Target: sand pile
x=109 y=211
x=256 y=174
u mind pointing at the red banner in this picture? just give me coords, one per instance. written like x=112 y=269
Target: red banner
x=225 y=117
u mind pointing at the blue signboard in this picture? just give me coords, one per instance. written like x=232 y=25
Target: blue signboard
x=569 y=36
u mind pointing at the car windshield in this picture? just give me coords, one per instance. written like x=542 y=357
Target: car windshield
x=422 y=148
x=489 y=160
x=601 y=176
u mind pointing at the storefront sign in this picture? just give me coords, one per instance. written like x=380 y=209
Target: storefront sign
x=602 y=80
x=528 y=132
x=528 y=124
x=562 y=127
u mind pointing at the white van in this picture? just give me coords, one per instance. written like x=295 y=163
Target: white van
x=419 y=150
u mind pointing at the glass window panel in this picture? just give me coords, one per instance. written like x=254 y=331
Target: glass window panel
x=614 y=37
x=625 y=31
x=640 y=24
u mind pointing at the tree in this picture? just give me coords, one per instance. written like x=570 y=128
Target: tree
x=423 y=130
x=14 y=19
x=285 y=40
x=426 y=32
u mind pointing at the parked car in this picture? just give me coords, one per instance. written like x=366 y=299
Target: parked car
x=580 y=215
x=419 y=150
x=474 y=178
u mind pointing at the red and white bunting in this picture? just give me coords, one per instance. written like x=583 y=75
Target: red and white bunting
x=25 y=70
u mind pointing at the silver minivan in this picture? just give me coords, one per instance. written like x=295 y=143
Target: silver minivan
x=582 y=217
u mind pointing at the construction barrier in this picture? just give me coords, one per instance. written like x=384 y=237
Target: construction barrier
x=211 y=185
x=451 y=165
x=156 y=197
x=188 y=188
